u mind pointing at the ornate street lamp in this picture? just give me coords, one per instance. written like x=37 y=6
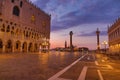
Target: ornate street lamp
x=105 y=45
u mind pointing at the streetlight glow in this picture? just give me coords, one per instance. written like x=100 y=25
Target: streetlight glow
x=105 y=44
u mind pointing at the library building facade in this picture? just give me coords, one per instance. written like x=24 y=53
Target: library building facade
x=114 y=37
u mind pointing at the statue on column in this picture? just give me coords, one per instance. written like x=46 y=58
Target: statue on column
x=71 y=45
x=98 y=42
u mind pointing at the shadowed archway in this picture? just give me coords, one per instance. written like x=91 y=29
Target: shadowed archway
x=1 y=45
x=9 y=46
x=18 y=46
x=36 y=47
x=24 y=47
x=30 y=48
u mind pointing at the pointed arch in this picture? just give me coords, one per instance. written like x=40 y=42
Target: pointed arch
x=9 y=46
x=24 y=47
x=18 y=46
x=30 y=48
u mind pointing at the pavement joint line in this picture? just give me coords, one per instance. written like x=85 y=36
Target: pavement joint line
x=54 y=77
x=83 y=73
x=109 y=66
x=96 y=63
x=100 y=75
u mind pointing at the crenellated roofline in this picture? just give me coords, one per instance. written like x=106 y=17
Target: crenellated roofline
x=38 y=8
x=114 y=25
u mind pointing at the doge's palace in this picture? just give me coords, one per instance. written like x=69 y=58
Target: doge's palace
x=23 y=27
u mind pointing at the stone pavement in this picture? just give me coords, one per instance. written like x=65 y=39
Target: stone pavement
x=42 y=66
x=93 y=68
x=82 y=70
x=33 y=66
x=109 y=67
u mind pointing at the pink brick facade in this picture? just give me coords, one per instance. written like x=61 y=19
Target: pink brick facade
x=23 y=27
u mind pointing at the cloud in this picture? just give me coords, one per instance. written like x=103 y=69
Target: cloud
x=102 y=33
x=97 y=11
x=33 y=0
x=41 y=3
x=70 y=13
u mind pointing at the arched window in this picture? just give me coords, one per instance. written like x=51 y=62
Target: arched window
x=3 y=28
x=27 y=34
x=21 y=3
x=8 y=29
x=33 y=18
x=12 y=1
x=16 y=11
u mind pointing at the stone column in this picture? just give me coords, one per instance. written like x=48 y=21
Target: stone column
x=13 y=46
x=71 y=45
x=98 y=42
x=27 y=47
x=13 y=49
x=21 y=47
x=3 y=49
x=40 y=47
x=33 y=47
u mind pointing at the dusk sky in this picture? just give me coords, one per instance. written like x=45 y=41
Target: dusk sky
x=83 y=17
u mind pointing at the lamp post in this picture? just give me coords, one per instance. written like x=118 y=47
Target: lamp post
x=105 y=45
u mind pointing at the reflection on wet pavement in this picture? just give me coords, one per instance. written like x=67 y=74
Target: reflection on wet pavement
x=34 y=66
